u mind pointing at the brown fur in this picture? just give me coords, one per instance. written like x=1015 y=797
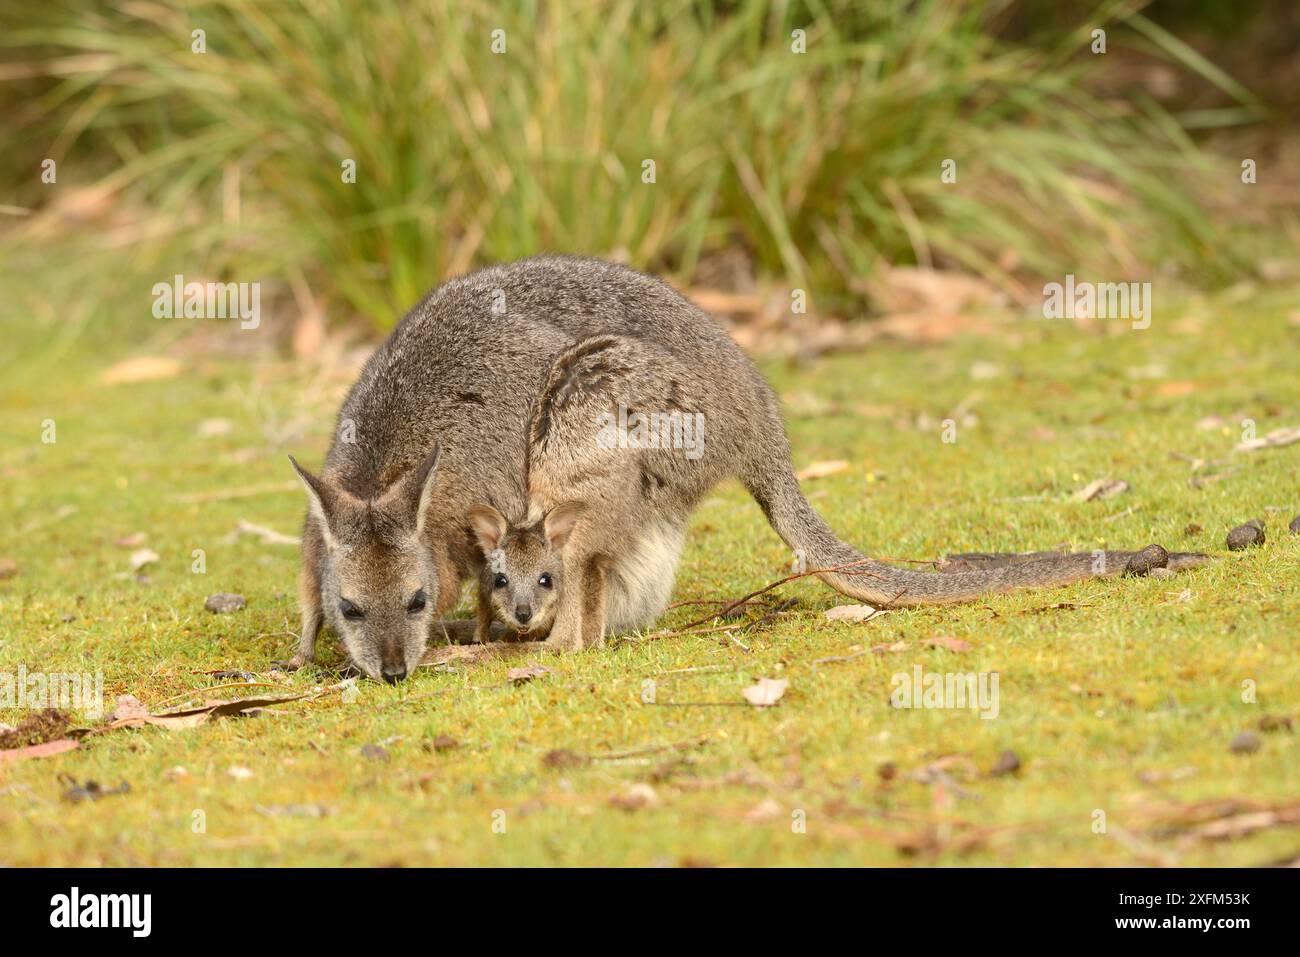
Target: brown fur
x=509 y=395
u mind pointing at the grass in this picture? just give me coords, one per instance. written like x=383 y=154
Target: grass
x=822 y=164
x=1141 y=678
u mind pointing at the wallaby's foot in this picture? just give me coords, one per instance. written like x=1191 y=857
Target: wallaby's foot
x=563 y=643
x=293 y=664
x=460 y=631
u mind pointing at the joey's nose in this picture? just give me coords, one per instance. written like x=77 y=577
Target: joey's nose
x=394 y=675
x=523 y=613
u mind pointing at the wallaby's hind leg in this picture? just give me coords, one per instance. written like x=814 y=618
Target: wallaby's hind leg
x=483 y=620
x=580 y=615
x=593 y=605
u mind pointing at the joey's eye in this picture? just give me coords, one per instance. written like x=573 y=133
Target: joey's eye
x=350 y=611
x=417 y=602
x=500 y=582
x=545 y=580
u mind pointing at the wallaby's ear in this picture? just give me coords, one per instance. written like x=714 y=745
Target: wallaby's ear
x=409 y=495
x=321 y=498
x=559 y=522
x=489 y=526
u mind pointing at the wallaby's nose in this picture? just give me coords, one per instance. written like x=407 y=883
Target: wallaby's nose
x=394 y=674
x=523 y=613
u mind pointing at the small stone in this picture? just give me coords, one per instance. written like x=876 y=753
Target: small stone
x=1247 y=742
x=1295 y=525
x=445 y=742
x=1147 y=560
x=1275 y=722
x=224 y=603
x=375 y=752
x=1008 y=763
x=1162 y=573
x=1244 y=536
x=636 y=796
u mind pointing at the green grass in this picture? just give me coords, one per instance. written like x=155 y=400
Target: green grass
x=823 y=164
x=1138 y=679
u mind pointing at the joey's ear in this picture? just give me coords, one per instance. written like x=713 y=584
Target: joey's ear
x=322 y=499
x=559 y=521
x=409 y=495
x=489 y=526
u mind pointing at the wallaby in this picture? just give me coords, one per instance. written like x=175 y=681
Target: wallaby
x=611 y=439
x=523 y=569
x=388 y=542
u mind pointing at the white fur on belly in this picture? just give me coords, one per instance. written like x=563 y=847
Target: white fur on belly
x=640 y=583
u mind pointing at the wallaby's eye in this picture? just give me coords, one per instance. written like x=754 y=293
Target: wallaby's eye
x=350 y=611
x=500 y=582
x=545 y=580
x=417 y=602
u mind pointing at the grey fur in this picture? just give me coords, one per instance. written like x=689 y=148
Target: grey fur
x=511 y=393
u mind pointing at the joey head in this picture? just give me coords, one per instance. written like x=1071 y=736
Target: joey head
x=523 y=570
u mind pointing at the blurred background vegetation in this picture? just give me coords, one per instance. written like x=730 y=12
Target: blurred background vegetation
x=820 y=168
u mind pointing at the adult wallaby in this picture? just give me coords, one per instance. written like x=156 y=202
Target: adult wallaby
x=622 y=430
x=439 y=422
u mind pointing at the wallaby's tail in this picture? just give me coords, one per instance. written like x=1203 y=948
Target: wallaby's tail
x=799 y=525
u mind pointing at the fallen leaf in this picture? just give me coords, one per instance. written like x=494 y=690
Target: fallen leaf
x=765 y=810
x=268 y=535
x=1101 y=489
x=141 y=369
x=188 y=717
x=1274 y=439
x=766 y=692
x=635 y=797
x=45 y=750
x=822 y=469
x=126 y=707
x=947 y=641
x=521 y=675
x=852 y=613
x=142 y=557
x=210 y=428
x=896 y=646
x=294 y=810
